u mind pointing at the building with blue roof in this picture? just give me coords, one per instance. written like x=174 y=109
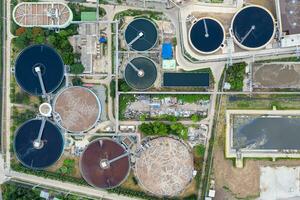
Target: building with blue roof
x=167 y=52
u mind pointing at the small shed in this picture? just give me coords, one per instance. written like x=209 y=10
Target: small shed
x=88 y=16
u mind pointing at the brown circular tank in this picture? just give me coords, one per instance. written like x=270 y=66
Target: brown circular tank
x=104 y=163
x=78 y=109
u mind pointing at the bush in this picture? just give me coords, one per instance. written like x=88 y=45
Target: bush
x=123 y=102
x=12 y=191
x=51 y=175
x=199 y=150
x=76 y=68
x=195 y=118
x=76 y=81
x=19 y=118
x=112 y=87
x=123 y=86
x=155 y=128
x=68 y=167
x=180 y=130
x=235 y=76
x=158 y=128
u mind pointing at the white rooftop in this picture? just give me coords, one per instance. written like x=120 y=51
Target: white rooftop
x=290 y=40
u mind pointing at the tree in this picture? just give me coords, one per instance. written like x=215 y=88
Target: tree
x=68 y=167
x=76 y=68
x=40 y=39
x=68 y=58
x=21 y=42
x=20 y=31
x=195 y=118
x=22 y=98
x=155 y=128
x=37 y=31
x=171 y=118
x=199 y=150
x=112 y=87
x=52 y=40
x=76 y=81
x=143 y=117
x=12 y=191
x=180 y=130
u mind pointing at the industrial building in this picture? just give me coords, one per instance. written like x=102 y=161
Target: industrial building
x=105 y=163
x=39 y=70
x=42 y=14
x=288 y=19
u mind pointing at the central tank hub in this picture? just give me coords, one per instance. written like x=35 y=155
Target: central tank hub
x=45 y=109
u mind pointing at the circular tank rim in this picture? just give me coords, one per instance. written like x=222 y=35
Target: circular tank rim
x=254 y=48
x=155 y=74
x=150 y=138
x=208 y=52
x=38 y=168
x=146 y=20
x=80 y=161
x=29 y=48
x=87 y=89
x=68 y=22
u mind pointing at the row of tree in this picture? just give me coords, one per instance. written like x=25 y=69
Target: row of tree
x=14 y=191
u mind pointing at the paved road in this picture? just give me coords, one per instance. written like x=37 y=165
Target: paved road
x=6 y=84
x=3 y=62
x=215 y=92
x=185 y=122
x=85 y=190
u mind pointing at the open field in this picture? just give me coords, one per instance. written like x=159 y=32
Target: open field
x=232 y=182
x=270 y=5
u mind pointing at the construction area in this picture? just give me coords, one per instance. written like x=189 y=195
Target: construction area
x=276 y=75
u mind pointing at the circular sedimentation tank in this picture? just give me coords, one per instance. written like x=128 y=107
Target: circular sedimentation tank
x=207 y=35
x=47 y=60
x=253 y=27
x=43 y=155
x=77 y=109
x=140 y=73
x=165 y=167
x=104 y=163
x=141 y=34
